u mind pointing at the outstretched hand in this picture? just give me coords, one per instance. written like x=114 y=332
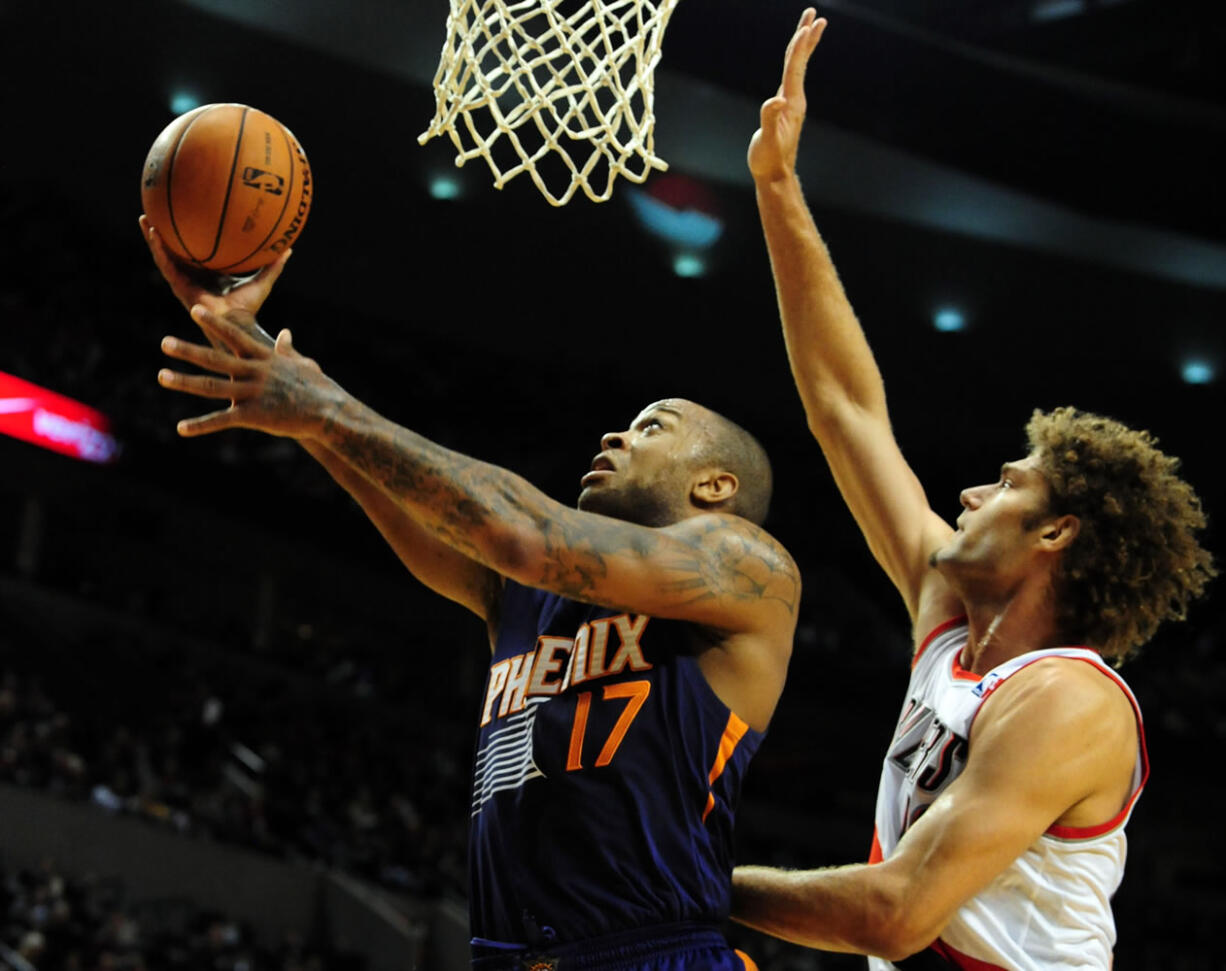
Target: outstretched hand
x=271 y=388
x=772 y=150
x=247 y=297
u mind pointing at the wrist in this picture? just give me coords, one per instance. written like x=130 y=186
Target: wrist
x=335 y=411
x=777 y=183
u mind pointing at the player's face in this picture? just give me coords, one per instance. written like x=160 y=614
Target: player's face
x=642 y=474
x=996 y=540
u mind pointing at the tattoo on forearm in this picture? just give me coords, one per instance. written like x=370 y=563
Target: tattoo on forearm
x=463 y=500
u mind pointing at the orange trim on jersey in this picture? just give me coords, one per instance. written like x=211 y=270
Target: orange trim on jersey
x=734 y=731
x=963 y=961
x=746 y=960
x=936 y=632
x=874 y=853
x=1089 y=832
x=960 y=673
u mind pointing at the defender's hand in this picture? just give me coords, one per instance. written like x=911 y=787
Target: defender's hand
x=271 y=389
x=772 y=150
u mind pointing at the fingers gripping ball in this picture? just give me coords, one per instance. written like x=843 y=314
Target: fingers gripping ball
x=228 y=188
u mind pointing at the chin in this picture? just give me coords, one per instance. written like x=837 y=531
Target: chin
x=944 y=559
x=639 y=506
x=603 y=502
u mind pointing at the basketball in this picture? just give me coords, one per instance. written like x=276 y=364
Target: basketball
x=227 y=187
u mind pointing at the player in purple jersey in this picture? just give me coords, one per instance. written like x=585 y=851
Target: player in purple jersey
x=640 y=643
x=1019 y=752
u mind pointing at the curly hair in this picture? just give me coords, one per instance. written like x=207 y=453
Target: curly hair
x=1136 y=561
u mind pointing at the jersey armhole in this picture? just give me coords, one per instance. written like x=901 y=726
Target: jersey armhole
x=936 y=632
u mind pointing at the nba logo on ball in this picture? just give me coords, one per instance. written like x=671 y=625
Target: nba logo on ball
x=269 y=182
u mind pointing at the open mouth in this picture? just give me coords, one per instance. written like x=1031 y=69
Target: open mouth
x=602 y=467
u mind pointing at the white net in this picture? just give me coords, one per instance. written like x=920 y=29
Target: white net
x=560 y=89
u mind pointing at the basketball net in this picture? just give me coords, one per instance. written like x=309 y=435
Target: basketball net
x=559 y=95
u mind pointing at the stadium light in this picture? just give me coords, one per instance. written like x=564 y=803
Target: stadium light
x=949 y=320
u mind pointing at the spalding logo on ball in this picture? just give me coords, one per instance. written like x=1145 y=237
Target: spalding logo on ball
x=228 y=188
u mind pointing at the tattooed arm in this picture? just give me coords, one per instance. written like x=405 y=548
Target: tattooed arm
x=435 y=564
x=714 y=570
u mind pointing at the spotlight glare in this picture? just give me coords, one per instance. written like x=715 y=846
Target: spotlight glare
x=182 y=101
x=689 y=265
x=949 y=320
x=1197 y=371
x=444 y=187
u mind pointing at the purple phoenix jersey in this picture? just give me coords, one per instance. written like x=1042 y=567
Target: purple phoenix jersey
x=605 y=780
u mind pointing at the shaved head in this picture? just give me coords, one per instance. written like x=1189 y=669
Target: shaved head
x=728 y=445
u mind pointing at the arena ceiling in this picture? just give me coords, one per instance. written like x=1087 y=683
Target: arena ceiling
x=1088 y=128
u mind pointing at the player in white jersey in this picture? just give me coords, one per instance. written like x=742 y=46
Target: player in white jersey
x=1019 y=752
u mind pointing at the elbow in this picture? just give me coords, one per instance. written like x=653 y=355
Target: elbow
x=824 y=415
x=832 y=413
x=895 y=944
x=895 y=929
x=506 y=551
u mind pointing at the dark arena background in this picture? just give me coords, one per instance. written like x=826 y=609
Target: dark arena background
x=235 y=735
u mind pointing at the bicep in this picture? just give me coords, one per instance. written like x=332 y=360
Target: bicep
x=715 y=570
x=970 y=835
x=884 y=496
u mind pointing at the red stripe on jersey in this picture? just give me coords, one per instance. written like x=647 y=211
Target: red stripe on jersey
x=960 y=673
x=1089 y=832
x=963 y=961
x=936 y=632
x=734 y=731
x=874 y=854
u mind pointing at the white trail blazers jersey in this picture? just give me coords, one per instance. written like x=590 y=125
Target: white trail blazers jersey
x=1051 y=908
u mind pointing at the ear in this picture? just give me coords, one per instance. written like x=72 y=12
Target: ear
x=713 y=487
x=1059 y=533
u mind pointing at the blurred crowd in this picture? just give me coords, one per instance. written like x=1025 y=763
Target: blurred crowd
x=54 y=921
x=287 y=771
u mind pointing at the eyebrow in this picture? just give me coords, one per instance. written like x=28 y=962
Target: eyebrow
x=656 y=410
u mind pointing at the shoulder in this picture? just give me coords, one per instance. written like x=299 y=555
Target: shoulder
x=741 y=558
x=1063 y=699
x=718 y=532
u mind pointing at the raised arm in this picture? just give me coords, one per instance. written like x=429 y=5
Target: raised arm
x=838 y=379
x=712 y=569
x=438 y=566
x=1023 y=775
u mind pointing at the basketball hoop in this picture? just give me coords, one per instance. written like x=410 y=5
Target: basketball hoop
x=565 y=96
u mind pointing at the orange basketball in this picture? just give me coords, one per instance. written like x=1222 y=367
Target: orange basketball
x=228 y=188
